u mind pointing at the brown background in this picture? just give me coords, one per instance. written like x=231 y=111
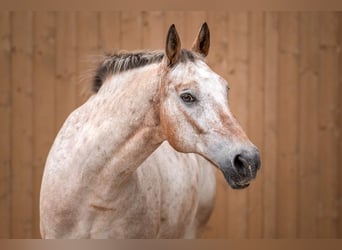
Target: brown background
x=285 y=74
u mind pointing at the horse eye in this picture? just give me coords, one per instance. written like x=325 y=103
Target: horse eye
x=188 y=98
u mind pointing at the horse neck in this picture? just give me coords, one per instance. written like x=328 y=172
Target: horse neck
x=129 y=105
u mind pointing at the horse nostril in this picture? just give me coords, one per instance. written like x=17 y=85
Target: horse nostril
x=247 y=165
x=241 y=165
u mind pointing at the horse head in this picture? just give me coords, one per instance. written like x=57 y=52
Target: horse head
x=195 y=115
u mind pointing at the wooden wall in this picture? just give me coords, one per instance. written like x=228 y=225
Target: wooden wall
x=285 y=73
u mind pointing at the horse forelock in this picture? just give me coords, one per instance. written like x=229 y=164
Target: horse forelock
x=120 y=62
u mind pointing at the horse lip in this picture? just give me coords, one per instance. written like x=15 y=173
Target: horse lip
x=235 y=180
x=240 y=186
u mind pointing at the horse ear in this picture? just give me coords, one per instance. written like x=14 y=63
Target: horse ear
x=173 y=46
x=202 y=43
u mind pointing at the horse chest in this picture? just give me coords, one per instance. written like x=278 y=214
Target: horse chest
x=150 y=205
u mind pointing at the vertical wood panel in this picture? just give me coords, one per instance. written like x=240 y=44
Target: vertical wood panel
x=21 y=206
x=328 y=125
x=218 y=25
x=130 y=33
x=88 y=46
x=43 y=100
x=153 y=30
x=109 y=33
x=269 y=160
x=66 y=66
x=308 y=125
x=5 y=124
x=192 y=24
x=339 y=235
x=288 y=126
x=238 y=81
x=256 y=118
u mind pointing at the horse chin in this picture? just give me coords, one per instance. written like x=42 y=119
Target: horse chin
x=235 y=181
x=235 y=185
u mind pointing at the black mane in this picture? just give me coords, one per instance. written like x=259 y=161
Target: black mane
x=124 y=61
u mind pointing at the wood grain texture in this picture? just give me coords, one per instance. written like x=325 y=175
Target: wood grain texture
x=66 y=66
x=5 y=124
x=193 y=21
x=153 y=30
x=22 y=128
x=130 y=30
x=287 y=161
x=308 y=126
x=339 y=235
x=44 y=26
x=87 y=50
x=328 y=100
x=109 y=33
x=269 y=160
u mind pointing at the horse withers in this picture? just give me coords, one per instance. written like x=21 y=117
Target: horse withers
x=111 y=172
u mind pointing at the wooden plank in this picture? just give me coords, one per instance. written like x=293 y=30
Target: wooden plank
x=308 y=126
x=192 y=24
x=328 y=125
x=339 y=235
x=218 y=25
x=269 y=159
x=88 y=46
x=43 y=101
x=130 y=33
x=287 y=184
x=21 y=147
x=109 y=34
x=153 y=30
x=256 y=118
x=238 y=80
x=5 y=124
x=66 y=66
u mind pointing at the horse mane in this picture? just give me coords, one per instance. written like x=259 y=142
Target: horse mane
x=123 y=61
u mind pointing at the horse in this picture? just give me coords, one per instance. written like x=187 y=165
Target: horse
x=136 y=159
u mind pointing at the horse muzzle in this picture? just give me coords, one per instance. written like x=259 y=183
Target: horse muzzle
x=242 y=168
